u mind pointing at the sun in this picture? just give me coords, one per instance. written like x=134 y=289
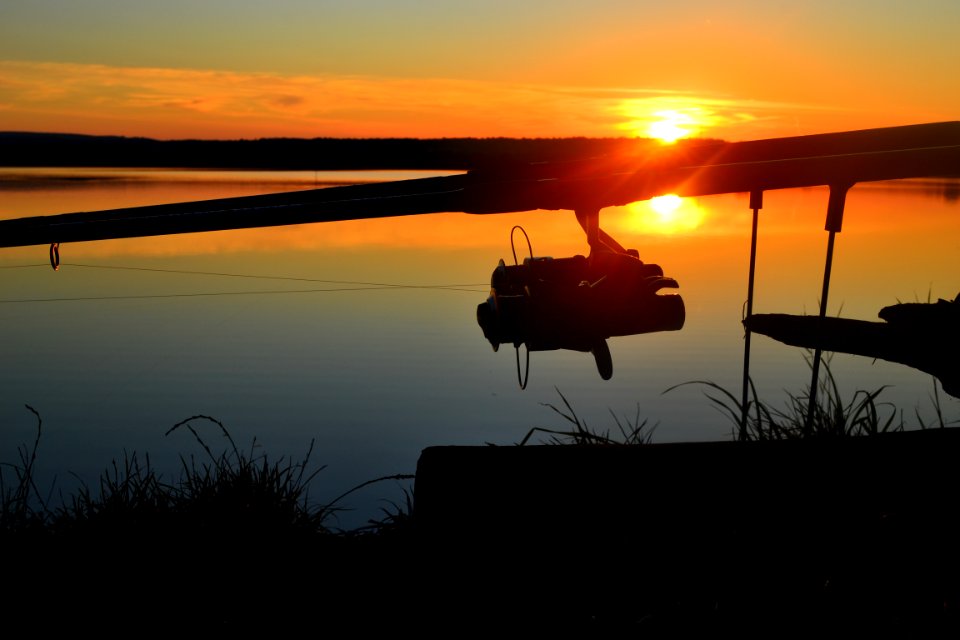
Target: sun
x=671 y=125
x=666 y=119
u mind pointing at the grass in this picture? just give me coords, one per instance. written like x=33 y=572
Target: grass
x=22 y=507
x=241 y=492
x=235 y=540
x=244 y=492
x=630 y=431
x=235 y=492
x=832 y=416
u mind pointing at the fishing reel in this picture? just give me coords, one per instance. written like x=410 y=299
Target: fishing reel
x=577 y=303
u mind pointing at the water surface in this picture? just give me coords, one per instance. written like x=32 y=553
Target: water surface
x=362 y=335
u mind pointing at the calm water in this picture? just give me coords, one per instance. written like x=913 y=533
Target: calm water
x=325 y=332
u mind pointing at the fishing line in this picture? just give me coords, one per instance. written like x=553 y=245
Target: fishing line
x=232 y=293
x=354 y=285
x=259 y=277
x=385 y=285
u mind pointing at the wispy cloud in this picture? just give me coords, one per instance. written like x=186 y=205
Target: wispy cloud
x=164 y=102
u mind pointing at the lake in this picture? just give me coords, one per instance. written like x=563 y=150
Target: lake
x=362 y=336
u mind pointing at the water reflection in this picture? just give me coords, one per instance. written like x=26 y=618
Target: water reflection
x=667 y=215
x=378 y=375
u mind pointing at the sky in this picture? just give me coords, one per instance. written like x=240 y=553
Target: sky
x=737 y=70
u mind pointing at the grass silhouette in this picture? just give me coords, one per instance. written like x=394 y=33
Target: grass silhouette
x=235 y=533
x=237 y=492
x=832 y=416
x=630 y=431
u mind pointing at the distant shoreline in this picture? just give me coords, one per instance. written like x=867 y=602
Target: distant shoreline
x=76 y=150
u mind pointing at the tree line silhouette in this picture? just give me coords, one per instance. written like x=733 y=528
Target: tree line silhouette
x=53 y=149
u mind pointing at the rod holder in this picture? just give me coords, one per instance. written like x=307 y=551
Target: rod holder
x=756 y=203
x=835 y=206
x=838 y=198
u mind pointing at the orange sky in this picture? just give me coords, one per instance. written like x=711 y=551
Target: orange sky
x=736 y=70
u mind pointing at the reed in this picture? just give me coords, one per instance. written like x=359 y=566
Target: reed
x=630 y=431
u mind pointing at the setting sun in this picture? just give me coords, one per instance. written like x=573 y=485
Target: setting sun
x=668 y=118
x=671 y=126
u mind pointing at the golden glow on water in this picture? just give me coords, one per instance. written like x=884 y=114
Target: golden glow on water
x=666 y=205
x=666 y=215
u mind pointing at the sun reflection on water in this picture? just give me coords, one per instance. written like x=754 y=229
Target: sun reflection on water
x=669 y=214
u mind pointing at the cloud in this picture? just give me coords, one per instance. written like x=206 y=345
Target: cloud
x=287 y=101
x=166 y=102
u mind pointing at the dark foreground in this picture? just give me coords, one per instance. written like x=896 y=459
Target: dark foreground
x=814 y=537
